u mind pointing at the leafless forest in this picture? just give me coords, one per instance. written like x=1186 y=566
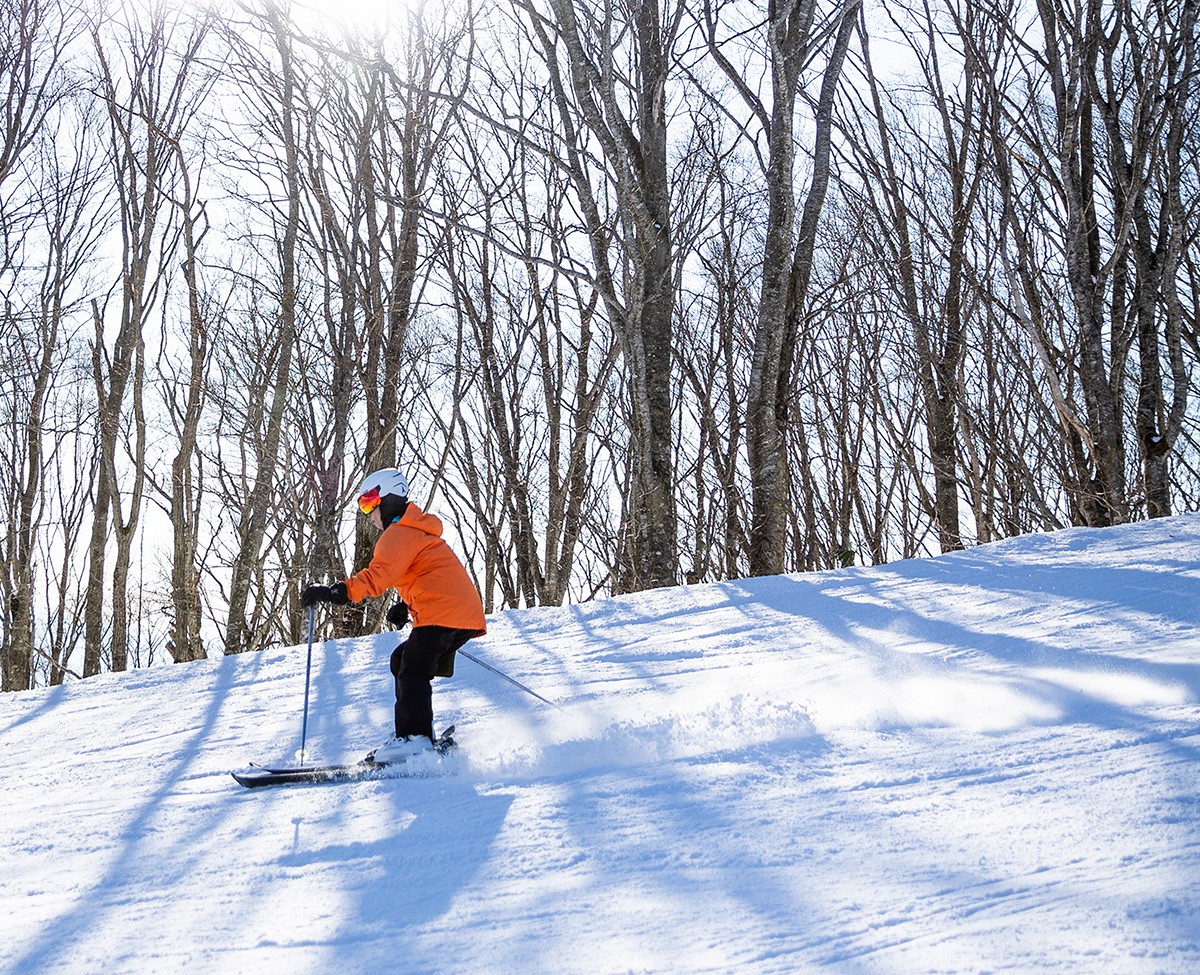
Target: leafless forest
x=637 y=292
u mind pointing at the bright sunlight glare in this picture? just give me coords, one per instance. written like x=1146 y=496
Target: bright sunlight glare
x=365 y=17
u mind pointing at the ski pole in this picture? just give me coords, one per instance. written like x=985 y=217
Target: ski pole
x=500 y=673
x=312 y=611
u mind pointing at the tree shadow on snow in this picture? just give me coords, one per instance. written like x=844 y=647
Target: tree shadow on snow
x=391 y=853
x=894 y=619
x=402 y=882
x=122 y=879
x=211 y=854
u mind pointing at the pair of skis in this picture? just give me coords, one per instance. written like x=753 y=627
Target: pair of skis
x=257 y=776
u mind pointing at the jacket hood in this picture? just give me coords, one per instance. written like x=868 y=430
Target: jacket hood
x=422 y=521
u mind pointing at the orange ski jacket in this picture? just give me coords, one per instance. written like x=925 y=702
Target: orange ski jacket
x=412 y=558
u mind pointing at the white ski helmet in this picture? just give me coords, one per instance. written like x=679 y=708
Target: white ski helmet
x=383 y=483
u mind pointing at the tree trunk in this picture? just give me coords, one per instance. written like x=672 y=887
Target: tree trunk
x=185 y=642
x=240 y=634
x=642 y=311
x=1105 y=502
x=787 y=262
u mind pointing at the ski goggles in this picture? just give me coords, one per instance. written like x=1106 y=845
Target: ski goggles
x=369 y=501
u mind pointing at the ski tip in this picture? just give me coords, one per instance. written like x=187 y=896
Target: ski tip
x=252 y=777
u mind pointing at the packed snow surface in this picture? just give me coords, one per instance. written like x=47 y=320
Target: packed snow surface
x=983 y=762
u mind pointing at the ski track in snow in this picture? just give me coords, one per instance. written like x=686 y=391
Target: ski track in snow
x=983 y=762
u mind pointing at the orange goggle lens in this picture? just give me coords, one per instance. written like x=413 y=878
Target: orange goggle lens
x=369 y=501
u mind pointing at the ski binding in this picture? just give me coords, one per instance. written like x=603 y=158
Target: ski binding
x=259 y=775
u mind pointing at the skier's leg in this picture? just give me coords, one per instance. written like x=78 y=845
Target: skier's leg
x=413 y=665
x=451 y=643
x=414 y=706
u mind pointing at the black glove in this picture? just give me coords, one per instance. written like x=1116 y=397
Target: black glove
x=335 y=594
x=398 y=614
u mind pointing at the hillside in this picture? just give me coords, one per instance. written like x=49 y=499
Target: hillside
x=984 y=762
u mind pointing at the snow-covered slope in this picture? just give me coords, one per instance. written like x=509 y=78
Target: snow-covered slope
x=982 y=762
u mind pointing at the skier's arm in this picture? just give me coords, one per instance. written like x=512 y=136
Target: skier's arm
x=390 y=562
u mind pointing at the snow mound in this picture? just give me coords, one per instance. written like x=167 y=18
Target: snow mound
x=985 y=761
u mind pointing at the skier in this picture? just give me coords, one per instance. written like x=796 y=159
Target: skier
x=412 y=558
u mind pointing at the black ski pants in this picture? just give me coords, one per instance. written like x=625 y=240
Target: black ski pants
x=427 y=653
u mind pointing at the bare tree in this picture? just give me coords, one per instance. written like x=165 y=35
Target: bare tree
x=1145 y=91
x=926 y=243
x=714 y=336
x=1072 y=37
x=44 y=207
x=1097 y=193
x=149 y=98
x=271 y=86
x=380 y=125
x=610 y=73
x=184 y=399
x=537 y=359
x=793 y=36
x=71 y=229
